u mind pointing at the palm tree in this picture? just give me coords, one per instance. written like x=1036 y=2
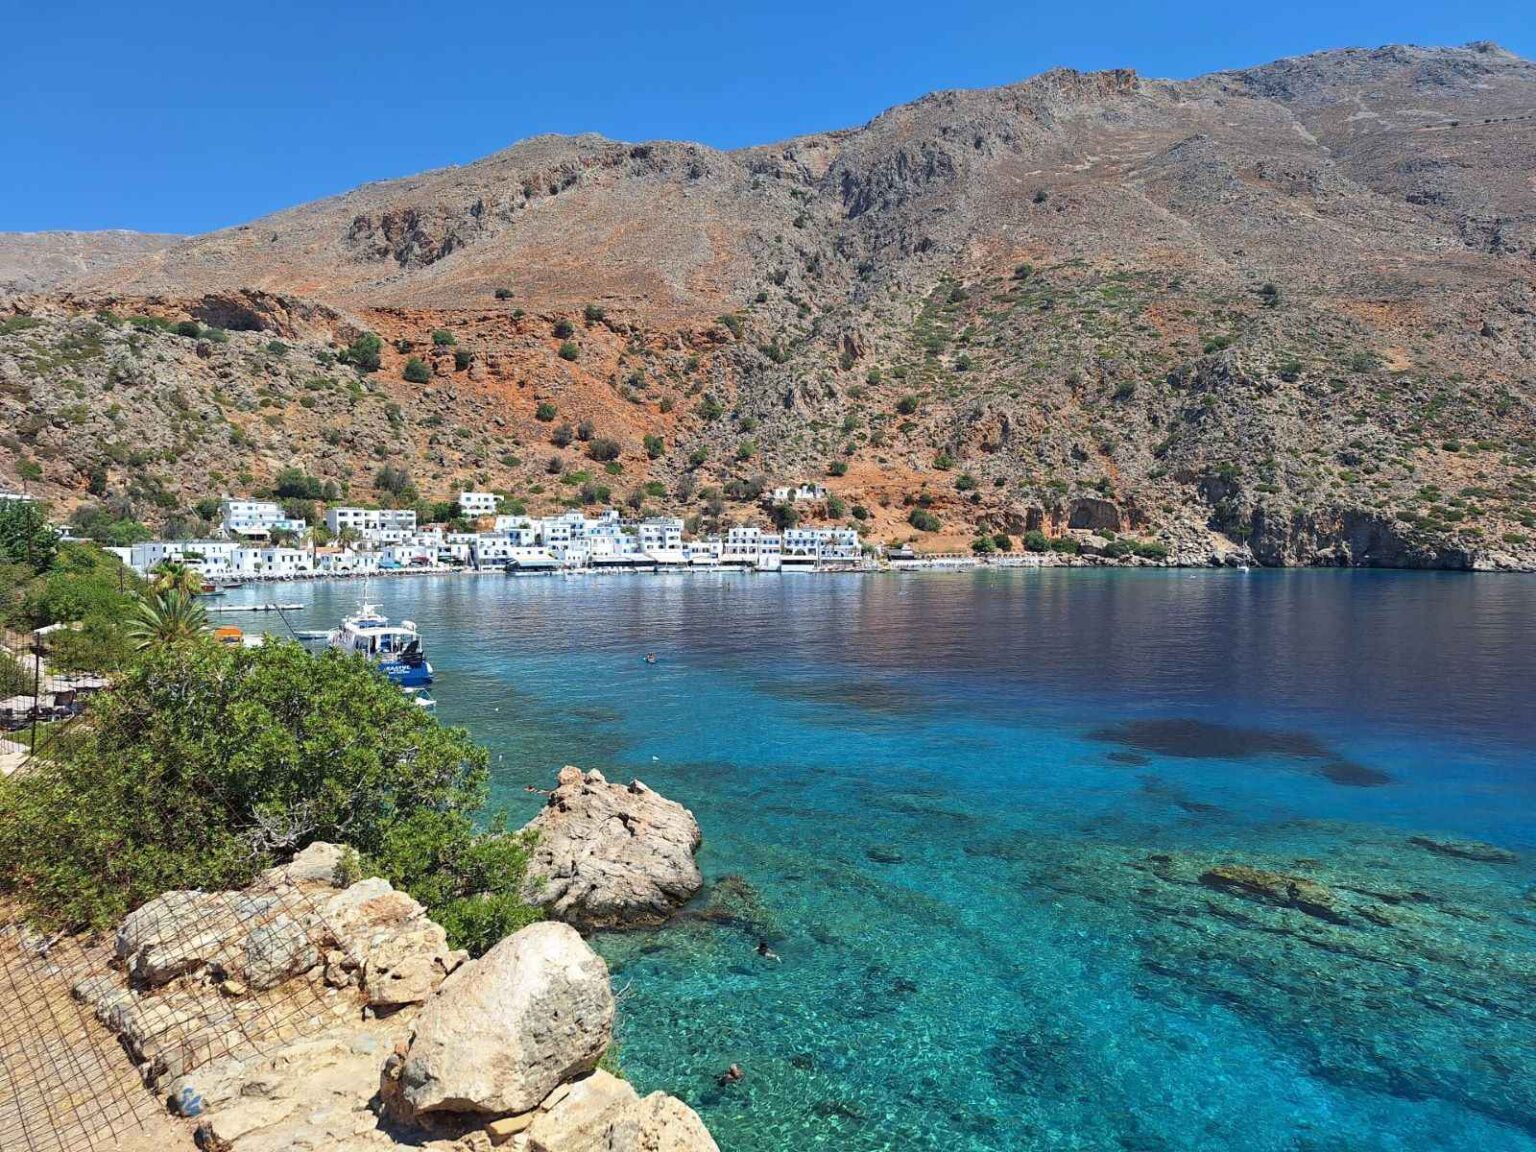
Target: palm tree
x=174 y=576
x=166 y=618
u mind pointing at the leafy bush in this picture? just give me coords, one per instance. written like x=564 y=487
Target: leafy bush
x=569 y=351
x=924 y=520
x=837 y=468
x=462 y=358
x=603 y=450
x=593 y=314
x=564 y=329
x=207 y=763
x=1035 y=541
x=416 y=371
x=363 y=353
x=191 y=329
x=294 y=483
x=907 y=405
x=655 y=447
x=503 y=293
x=545 y=412
x=442 y=338
x=395 y=480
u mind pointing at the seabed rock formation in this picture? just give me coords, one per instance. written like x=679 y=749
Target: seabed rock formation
x=304 y=1013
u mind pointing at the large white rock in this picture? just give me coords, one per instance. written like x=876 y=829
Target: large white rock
x=503 y=1031
x=402 y=954
x=610 y=856
x=659 y=1123
x=580 y=1119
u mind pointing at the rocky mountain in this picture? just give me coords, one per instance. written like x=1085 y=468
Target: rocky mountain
x=30 y=261
x=1288 y=311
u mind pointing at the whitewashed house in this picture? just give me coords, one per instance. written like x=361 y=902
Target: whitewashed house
x=257 y=518
x=473 y=505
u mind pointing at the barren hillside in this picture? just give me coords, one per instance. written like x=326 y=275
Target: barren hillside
x=1290 y=309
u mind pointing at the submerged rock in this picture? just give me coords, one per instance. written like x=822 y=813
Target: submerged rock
x=611 y=856
x=507 y=1029
x=1275 y=888
x=1465 y=849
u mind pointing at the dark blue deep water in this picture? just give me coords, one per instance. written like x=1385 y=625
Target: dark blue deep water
x=983 y=819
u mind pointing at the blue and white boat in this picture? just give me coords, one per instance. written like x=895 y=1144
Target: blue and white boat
x=395 y=648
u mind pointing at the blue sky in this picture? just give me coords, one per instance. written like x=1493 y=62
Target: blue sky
x=183 y=118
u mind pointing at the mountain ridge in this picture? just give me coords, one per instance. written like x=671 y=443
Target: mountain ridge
x=1301 y=250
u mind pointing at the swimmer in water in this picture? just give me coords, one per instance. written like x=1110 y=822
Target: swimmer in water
x=650 y=657
x=731 y=1075
x=766 y=952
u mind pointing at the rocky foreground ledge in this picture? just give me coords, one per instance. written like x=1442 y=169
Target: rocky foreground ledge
x=305 y=1013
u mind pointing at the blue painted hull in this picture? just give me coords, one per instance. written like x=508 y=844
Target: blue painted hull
x=413 y=675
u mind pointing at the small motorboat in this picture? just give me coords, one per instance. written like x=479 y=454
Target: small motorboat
x=395 y=648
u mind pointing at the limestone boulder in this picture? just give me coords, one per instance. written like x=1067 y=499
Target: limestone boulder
x=402 y=954
x=318 y=866
x=611 y=855
x=581 y=1115
x=659 y=1123
x=182 y=931
x=504 y=1031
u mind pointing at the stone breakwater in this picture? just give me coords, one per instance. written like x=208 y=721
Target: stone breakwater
x=302 y=1012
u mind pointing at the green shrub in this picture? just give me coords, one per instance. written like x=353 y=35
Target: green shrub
x=416 y=371
x=1066 y=545
x=462 y=358
x=655 y=447
x=1003 y=541
x=924 y=520
x=191 y=329
x=442 y=338
x=1035 y=541
x=569 y=351
x=593 y=314
x=206 y=763
x=545 y=412
x=503 y=293
x=603 y=450
x=564 y=329
x=837 y=468
x=363 y=353
x=907 y=405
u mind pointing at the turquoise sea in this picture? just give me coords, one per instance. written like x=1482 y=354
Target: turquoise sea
x=989 y=823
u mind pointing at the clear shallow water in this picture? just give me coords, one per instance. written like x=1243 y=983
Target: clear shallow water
x=970 y=812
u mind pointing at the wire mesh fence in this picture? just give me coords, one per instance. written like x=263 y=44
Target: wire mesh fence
x=104 y=1036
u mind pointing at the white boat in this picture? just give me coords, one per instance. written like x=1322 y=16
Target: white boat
x=395 y=648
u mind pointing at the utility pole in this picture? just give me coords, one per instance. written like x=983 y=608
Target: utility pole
x=37 y=685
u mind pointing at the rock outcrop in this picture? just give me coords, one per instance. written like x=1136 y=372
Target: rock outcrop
x=610 y=855
x=532 y=1013
x=300 y=1013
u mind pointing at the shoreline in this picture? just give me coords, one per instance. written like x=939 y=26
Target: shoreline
x=952 y=566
